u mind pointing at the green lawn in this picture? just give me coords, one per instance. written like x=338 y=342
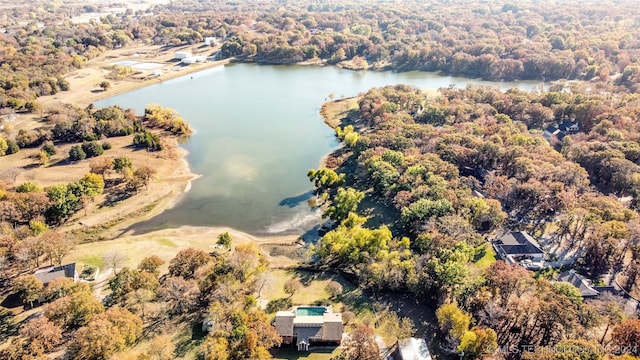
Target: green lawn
x=293 y=354
x=314 y=287
x=166 y=242
x=488 y=258
x=93 y=260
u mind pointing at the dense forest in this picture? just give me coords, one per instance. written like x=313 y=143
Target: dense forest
x=498 y=41
x=421 y=156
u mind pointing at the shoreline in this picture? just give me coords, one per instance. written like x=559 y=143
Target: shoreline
x=124 y=86
x=333 y=114
x=188 y=70
x=174 y=178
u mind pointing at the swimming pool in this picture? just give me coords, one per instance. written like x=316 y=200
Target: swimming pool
x=310 y=311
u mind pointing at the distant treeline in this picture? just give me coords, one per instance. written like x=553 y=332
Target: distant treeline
x=541 y=40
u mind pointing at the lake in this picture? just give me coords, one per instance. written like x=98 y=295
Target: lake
x=258 y=131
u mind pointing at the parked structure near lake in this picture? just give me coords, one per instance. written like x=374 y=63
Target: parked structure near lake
x=193 y=59
x=183 y=55
x=309 y=325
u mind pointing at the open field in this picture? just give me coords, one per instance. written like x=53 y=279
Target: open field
x=165 y=244
x=84 y=82
x=313 y=291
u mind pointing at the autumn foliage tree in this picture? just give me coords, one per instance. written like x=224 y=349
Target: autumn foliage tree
x=360 y=345
x=627 y=335
x=453 y=322
x=43 y=331
x=106 y=334
x=75 y=310
x=150 y=264
x=507 y=279
x=29 y=287
x=187 y=261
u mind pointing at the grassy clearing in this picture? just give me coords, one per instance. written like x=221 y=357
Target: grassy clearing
x=487 y=259
x=92 y=260
x=293 y=354
x=135 y=248
x=166 y=242
x=334 y=112
x=163 y=243
x=313 y=291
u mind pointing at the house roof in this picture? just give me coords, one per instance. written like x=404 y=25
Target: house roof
x=552 y=129
x=578 y=281
x=332 y=331
x=518 y=243
x=325 y=324
x=332 y=317
x=304 y=333
x=568 y=126
x=284 y=323
x=413 y=349
x=49 y=274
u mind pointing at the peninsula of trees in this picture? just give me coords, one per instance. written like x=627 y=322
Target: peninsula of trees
x=451 y=169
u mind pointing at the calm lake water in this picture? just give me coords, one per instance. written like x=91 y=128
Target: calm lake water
x=258 y=132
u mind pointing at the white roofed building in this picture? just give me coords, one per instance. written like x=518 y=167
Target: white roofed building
x=193 y=60
x=183 y=55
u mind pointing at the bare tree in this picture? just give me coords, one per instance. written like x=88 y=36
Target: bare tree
x=265 y=281
x=181 y=295
x=114 y=259
x=291 y=286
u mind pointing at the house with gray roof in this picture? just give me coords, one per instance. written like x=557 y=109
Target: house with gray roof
x=555 y=134
x=48 y=274
x=580 y=282
x=519 y=247
x=308 y=325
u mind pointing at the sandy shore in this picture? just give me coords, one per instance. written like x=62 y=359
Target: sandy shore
x=106 y=227
x=173 y=177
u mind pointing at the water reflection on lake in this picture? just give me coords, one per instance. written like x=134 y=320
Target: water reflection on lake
x=258 y=132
